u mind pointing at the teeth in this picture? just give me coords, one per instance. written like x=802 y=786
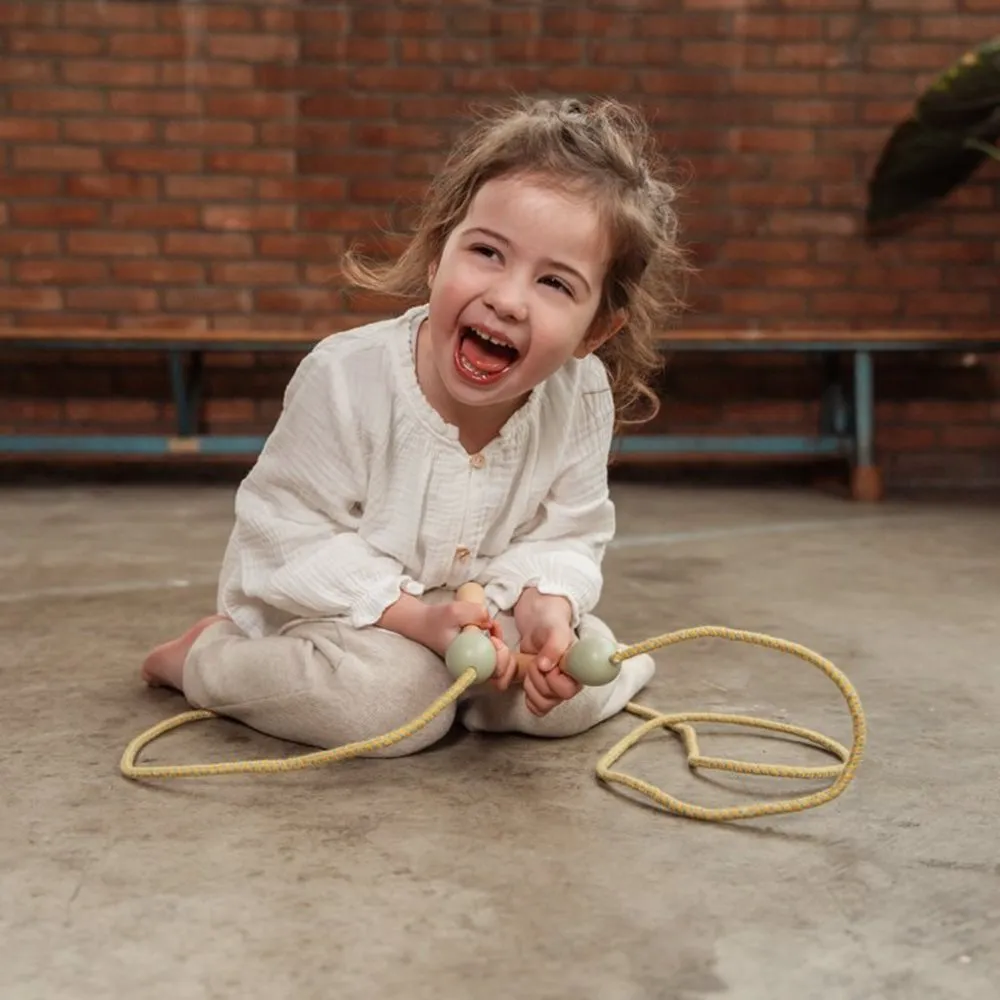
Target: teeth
x=493 y=340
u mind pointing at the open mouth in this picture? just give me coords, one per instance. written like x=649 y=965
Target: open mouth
x=482 y=356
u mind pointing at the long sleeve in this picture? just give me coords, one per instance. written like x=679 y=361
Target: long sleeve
x=295 y=544
x=559 y=550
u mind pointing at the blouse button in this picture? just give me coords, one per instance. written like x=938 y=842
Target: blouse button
x=477 y=460
x=462 y=553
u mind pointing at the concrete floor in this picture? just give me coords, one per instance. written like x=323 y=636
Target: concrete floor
x=424 y=877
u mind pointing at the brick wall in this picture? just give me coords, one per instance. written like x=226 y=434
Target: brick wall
x=204 y=163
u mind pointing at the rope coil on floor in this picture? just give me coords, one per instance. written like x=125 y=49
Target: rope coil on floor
x=680 y=723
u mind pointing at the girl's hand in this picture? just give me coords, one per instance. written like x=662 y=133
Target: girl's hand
x=545 y=685
x=442 y=623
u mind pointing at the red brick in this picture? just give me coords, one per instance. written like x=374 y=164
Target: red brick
x=111 y=244
x=770 y=193
x=159 y=103
x=200 y=17
x=814 y=112
x=912 y=56
x=610 y=52
x=54 y=100
x=505 y=80
x=57 y=158
x=444 y=50
x=156 y=161
x=209 y=188
x=343 y=164
x=337 y=219
x=113 y=299
x=679 y=83
x=255 y=273
x=352 y=48
x=323 y=189
x=240 y=218
x=208 y=245
x=54 y=214
x=29 y=185
x=155 y=215
x=805 y=277
x=772 y=140
x=588 y=80
x=385 y=21
x=109 y=72
x=251 y=162
x=963 y=303
x=971 y=436
x=300 y=246
x=211 y=133
x=28 y=129
x=27 y=70
x=380 y=189
x=763 y=303
x=114 y=412
x=585 y=22
x=252 y=47
x=793 y=26
x=34 y=299
x=60 y=272
x=786 y=83
x=857 y=303
x=109 y=130
x=112 y=186
x=55 y=43
x=766 y=251
x=305 y=135
x=960 y=28
x=297 y=300
x=391 y=78
x=208 y=300
x=909 y=6
x=192 y=73
x=365 y=106
x=149 y=45
x=108 y=13
x=398 y=136
x=276 y=21
x=159 y=272
x=813 y=223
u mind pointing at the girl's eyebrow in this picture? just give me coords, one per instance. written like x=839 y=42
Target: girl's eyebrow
x=557 y=264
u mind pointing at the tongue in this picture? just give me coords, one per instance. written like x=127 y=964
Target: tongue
x=483 y=355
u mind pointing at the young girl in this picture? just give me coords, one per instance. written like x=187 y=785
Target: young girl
x=464 y=440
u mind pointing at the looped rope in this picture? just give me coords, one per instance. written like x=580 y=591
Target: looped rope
x=679 y=723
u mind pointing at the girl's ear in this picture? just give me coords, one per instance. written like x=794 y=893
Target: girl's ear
x=431 y=271
x=601 y=331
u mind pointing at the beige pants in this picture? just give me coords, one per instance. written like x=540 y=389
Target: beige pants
x=324 y=683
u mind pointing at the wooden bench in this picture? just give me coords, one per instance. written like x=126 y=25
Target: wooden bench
x=847 y=407
x=847 y=412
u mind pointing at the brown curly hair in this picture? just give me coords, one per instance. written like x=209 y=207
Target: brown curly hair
x=607 y=149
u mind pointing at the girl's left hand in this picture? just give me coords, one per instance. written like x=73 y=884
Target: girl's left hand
x=545 y=685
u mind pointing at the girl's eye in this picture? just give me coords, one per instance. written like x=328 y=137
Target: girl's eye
x=559 y=284
x=485 y=251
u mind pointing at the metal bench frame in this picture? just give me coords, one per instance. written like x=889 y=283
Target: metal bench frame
x=846 y=426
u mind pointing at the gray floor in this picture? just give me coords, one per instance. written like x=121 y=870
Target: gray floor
x=495 y=867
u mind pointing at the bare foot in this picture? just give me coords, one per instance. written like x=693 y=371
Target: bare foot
x=164 y=667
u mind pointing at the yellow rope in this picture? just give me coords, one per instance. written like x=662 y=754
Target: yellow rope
x=843 y=773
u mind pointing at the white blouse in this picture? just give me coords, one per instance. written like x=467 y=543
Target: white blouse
x=362 y=491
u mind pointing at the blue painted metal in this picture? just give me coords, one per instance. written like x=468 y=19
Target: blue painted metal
x=131 y=444
x=750 y=444
x=178 y=383
x=864 y=409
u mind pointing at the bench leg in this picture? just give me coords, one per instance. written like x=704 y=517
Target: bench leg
x=866 y=477
x=186 y=383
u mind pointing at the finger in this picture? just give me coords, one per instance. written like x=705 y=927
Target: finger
x=505 y=668
x=467 y=613
x=551 y=652
x=562 y=685
x=537 y=703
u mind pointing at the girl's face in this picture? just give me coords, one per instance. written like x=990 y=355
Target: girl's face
x=513 y=297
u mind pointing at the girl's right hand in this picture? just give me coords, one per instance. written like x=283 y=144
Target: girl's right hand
x=444 y=622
